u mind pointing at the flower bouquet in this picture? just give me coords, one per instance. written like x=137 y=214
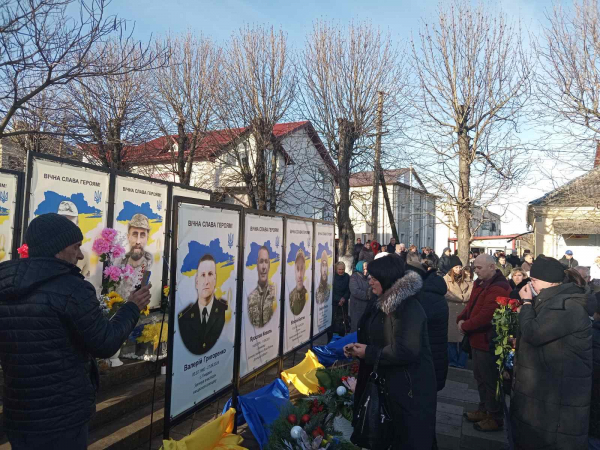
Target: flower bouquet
x=505 y=323
x=109 y=249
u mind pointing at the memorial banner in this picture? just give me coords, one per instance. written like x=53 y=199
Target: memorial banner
x=263 y=237
x=78 y=193
x=191 y=193
x=324 y=271
x=8 y=209
x=298 y=282
x=205 y=302
x=140 y=213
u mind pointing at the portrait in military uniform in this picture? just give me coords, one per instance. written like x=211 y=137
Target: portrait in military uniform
x=323 y=289
x=260 y=300
x=299 y=294
x=201 y=322
x=70 y=211
x=138 y=231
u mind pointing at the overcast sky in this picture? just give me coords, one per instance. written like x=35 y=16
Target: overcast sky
x=220 y=18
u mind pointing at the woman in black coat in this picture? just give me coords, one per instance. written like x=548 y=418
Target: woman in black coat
x=550 y=405
x=359 y=294
x=396 y=324
x=341 y=295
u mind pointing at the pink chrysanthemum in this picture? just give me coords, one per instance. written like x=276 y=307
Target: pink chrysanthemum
x=101 y=246
x=109 y=234
x=117 y=251
x=113 y=273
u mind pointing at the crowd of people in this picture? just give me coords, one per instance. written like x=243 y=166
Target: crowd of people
x=416 y=315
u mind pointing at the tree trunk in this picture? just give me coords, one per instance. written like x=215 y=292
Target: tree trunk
x=273 y=175
x=464 y=198
x=377 y=171
x=390 y=212
x=347 y=138
x=182 y=141
x=262 y=136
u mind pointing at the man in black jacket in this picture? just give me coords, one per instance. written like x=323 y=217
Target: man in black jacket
x=594 y=432
x=433 y=300
x=51 y=329
x=444 y=263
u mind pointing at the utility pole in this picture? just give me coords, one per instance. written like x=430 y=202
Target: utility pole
x=386 y=197
x=377 y=169
x=410 y=205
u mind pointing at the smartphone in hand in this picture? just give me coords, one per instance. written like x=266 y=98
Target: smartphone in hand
x=145 y=280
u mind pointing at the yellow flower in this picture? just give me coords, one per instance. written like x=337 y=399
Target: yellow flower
x=113 y=298
x=150 y=334
x=166 y=291
x=146 y=311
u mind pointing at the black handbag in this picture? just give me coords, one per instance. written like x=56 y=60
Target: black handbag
x=373 y=426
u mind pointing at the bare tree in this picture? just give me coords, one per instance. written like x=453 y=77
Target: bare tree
x=108 y=115
x=183 y=100
x=43 y=46
x=343 y=69
x=569 y=79
x=259 y=86
x=473 y=77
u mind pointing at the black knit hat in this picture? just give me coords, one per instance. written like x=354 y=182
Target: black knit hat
x=455 y=261
x=547 y=269
x=50 y=233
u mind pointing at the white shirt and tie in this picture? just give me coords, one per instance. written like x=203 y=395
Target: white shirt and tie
x=205 y=312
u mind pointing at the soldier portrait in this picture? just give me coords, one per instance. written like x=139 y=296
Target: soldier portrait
x=260 y=300
x=299 y=294
x=138 y=230
x=323 y=289
x=70 y=211
x=201 y=323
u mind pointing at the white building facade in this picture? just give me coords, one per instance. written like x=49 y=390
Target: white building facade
x=413 y=208
x=484 y=223
x=305 y=172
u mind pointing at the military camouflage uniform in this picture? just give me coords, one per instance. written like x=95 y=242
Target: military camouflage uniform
x=297 y=300
x=323 y=292
x=260 y=304
x=127 y=286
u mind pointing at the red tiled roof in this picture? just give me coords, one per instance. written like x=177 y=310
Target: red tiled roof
x=360 y=179
x=157 y=151
x=209 y=147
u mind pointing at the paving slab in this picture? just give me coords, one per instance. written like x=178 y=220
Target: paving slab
x=464 y=395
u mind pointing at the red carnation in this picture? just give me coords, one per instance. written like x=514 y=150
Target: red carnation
x=503 y=301
x=23 y=251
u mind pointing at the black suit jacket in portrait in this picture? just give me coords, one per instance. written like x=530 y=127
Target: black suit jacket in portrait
x=196 y=338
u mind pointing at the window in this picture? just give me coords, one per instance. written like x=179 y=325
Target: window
x=493 y=226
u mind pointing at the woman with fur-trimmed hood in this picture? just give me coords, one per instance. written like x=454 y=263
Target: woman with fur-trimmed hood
x=396 y=324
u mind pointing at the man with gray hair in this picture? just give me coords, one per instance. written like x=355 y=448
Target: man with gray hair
x=475 y=321
x=401 y=251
